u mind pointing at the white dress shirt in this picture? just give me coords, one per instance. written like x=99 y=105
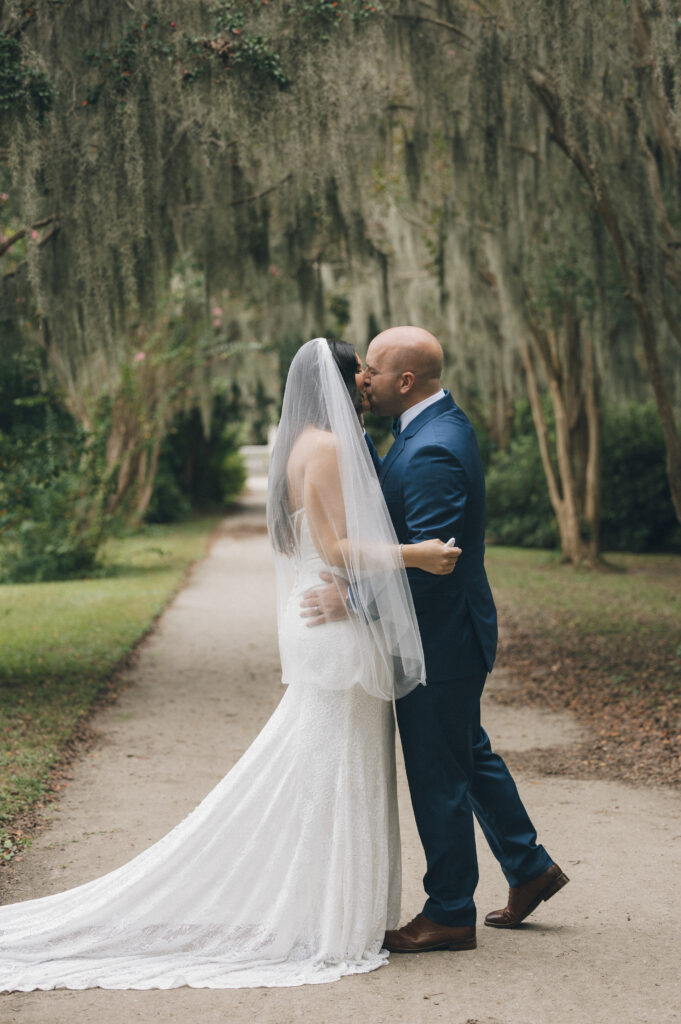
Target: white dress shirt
x=413 y=411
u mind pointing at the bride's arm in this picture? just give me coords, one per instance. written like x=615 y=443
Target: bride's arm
x=325 y=511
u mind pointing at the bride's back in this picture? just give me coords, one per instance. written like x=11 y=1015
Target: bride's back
x=311 y=448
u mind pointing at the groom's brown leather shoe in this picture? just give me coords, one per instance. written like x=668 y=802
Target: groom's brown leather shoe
x=424 y=936
x=523 y=899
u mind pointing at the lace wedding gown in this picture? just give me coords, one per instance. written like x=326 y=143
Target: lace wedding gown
x=287 y=873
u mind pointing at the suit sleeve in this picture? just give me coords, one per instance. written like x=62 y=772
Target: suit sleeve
x=375 y=457
x=435 y=493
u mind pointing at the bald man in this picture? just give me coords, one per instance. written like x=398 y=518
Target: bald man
x=434 y=486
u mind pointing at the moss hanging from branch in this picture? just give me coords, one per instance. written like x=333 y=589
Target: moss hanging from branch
x=201 y=132
x=367 y=149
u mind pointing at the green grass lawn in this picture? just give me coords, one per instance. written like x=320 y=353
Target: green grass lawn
x=59 y=643
x=634 y=595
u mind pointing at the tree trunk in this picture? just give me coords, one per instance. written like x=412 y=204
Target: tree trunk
x=593 y=473
x=634 y=275
x=568 y=522
x=145 y=484
x=568 y=376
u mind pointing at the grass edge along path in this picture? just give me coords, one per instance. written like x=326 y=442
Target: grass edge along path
x=605 y=645
x=62 y=646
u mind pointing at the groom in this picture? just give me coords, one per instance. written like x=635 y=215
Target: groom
x=433 y=482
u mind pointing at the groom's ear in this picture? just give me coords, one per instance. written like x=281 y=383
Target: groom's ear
x=406 y=382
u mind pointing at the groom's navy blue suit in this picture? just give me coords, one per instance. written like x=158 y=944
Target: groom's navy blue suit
x=434 y=486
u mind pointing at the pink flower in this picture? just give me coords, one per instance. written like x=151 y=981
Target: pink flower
x=140 y=357
x=34 y=235
x=275 y=271
x=4 y=196
x=217 y=322
x=216 y=311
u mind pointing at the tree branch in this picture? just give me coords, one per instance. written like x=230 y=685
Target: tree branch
x=265 y=192
x=435 y=21
x=524 y=149
x=41 y=243
x=13 y=239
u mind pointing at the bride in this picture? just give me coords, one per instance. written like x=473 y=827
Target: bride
x=288 y=872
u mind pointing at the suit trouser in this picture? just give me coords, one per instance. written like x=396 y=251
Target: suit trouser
x=453 y=773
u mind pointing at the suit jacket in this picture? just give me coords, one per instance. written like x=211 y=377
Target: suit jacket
x=434 y=486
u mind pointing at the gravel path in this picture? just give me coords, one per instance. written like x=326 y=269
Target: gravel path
x=605 y=950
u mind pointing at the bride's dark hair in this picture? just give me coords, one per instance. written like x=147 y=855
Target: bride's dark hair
x=345 y=359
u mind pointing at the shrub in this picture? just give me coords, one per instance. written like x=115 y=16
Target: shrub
x=50 y=526
x=198 y=471
x=168 y=503
x=519 y=511
x=52 y=480
x=232 y=476
x=637 y=514
x=637 y=511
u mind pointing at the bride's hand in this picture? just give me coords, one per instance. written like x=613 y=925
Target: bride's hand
x=432 y=556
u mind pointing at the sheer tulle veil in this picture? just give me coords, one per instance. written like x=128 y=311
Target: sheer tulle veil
x=288 y=871
x=387 y=654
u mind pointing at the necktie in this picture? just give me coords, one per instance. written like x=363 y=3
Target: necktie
x=396 y=427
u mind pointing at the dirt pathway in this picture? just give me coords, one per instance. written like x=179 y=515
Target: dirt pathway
x=605 y=950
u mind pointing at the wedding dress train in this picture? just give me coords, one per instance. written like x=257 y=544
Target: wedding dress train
x=287 y=873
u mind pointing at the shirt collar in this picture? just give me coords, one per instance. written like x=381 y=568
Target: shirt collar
x=410 y=414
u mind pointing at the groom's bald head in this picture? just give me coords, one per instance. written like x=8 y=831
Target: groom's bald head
x=411 y=348
x=404 y=365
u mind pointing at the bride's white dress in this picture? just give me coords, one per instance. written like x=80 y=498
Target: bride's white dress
x=288 y=873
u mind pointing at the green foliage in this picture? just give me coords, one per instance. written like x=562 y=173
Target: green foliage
x=339 y=309
x=198 y=471
x=23 y=85
x=168 y=504
x=328 y=14
x=519 y=512
x=235 y=46
x=52 y=482
x=232 y=477
x=637 y=513
x=637 y=510
x=42 y=492
x=152 y=37
x=52 y=517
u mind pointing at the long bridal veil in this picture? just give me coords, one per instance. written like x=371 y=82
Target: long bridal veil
x=288 y=872
x=387 y=657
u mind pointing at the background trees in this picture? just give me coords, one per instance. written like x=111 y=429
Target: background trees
x=182 y=190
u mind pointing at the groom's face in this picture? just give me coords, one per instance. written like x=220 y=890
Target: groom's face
x=382 y=382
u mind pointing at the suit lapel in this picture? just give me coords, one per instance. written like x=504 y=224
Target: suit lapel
x=397 y=446
x=436 y=409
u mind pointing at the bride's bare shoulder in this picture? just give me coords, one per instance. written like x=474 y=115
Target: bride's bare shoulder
x=314 y=441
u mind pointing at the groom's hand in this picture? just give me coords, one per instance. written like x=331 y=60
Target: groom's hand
x=325 y=604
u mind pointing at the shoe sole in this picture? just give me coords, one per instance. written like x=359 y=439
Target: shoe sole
x=554 y=886
x=453 y=947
